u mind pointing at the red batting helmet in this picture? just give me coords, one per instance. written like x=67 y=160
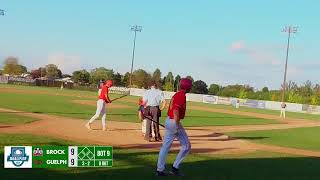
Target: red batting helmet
x=109 y=83
x=185 y=84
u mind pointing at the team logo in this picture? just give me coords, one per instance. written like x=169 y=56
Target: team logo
x=38 y=162
x=18 y=156
x=38 y=152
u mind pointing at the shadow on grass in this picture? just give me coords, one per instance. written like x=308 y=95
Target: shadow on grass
x=208 y=135
x=141 y=165
x=227 y=116
x=228 y=139
x=5 y=126
x=250 y=138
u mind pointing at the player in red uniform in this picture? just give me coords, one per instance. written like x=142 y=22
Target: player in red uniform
x=174 y=129
x=103 y=99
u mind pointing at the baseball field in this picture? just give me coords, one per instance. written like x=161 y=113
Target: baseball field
x=227 y=143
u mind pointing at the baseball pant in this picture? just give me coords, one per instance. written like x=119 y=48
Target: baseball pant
x=151 y=126
x=283 y=113
x=173 y=130
x=143 y=126
x=155 y=125
x=101 y=111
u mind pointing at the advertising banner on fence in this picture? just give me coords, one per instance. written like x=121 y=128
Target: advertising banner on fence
x=4 y=79
x=254 y=104
x=224 y=100
x=210 y=99
x=194 y=97
x=137 y=92
x=311 y=108
x=25 y=80
x=119 y=90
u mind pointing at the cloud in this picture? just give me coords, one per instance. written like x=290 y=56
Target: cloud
x=237 y=46
x=67 y=63
x=294 y=71
x=257 y=55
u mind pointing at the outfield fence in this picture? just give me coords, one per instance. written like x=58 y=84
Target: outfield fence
x=251 y=103
x=209 y=99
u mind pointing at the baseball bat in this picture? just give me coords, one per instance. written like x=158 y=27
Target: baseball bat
x=154 y=121
x=119 y=97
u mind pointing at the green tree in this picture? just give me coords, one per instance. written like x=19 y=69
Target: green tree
x=59 y=73
x=214 y=89
x=230 y=91
x=168 y=86
x=200 y=87
x=176 y=82
x=169 y=78
x=126 y=79
x=315 y=100
x=23 y=69
x=265 y=89
x=12 y=66
x=169 y=82
x=140 y=78
x=306 y=89
x=243 y=94
x=43 y=71
x=52 y=71
x=117 y=80
x=294 y=97
x=156 y=77
x=81 y=77
x=100 y=73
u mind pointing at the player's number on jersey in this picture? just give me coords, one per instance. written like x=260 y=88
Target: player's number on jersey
x=72 y=161
x=72 y=151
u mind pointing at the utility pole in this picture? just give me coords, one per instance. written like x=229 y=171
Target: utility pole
x=135 y=29
x=289 y=30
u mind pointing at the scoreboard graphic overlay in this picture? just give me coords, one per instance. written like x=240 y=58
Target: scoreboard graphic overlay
x=58 y=156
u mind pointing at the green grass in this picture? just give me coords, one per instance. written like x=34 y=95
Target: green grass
x=10 y=118
x=63 y=106
x=302 y=138
x=90 y=94
x=136 y=164
x=261 y=111
x=203 y=118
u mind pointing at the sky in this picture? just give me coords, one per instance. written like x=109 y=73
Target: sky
x=223 y=42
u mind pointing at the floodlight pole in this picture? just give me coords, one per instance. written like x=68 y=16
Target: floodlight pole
x=135 y=29
x=289 y=30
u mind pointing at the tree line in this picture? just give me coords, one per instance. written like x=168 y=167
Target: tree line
x=306 y=93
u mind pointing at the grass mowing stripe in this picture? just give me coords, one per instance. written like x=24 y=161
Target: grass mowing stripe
x=12 y=118
x=302 y=138
x=63 y=106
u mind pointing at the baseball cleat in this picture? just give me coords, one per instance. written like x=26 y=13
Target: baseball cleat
x=161 y=173
x=104 y=129
x=175 y=172
x=88 y=126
